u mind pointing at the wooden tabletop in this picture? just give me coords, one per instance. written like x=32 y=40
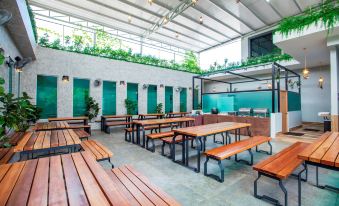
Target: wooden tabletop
x=116 y=116
x=67 y=118
x=70 y=179
x=47 y=139
x=324 y=150
x=178 y=113
x=152 y=115
x=162 y=121
x=50 y=125
x=209 y=129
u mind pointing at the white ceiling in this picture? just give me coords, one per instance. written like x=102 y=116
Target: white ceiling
x=222 y=20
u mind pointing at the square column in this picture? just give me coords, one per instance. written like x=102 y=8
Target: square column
x=334 y=54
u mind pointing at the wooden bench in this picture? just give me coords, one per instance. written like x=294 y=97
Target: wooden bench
x=129 y=130
x=99 y=151
x=169 y=141
x=279 y=167
x=15 y=137
x=82 y=134
x=6 y=155
x=114 y=124
x=86 y=128
x=226 y=151
x=155 y=136
x=137 y=189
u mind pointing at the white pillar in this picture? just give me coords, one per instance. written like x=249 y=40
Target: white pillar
x=334 y=53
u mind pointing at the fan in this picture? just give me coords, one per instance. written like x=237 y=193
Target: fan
x=97 y=82
x=5 y=16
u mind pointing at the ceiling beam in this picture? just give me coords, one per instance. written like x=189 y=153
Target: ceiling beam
x=250 y=10
x=274 y=9
x=297 y=4
x=241 y=75
x=150 y=22
x=227 y=11
x=48 y=7
x=168 y=17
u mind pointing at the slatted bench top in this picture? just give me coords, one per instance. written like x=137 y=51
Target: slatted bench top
x=178 y=139
x=15 y=138
x=81 y=133
x=40 y=126
x=5 y=155
x=225 y=151
x=67 y=118
x=282 y=164
x=98 y=151
x=47 y=139
x=117 y=123
x=70 y=179
x=160 y=135
x=325 y=150
x=138 y=189
x=115 y=116
x=163 y=121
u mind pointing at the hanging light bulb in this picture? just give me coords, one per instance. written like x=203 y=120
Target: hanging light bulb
x=165 y=20
x=306 y=72
x=321 y=82
x=150 y=2
x=129 y=19
x=200 y=20
x=194 y=2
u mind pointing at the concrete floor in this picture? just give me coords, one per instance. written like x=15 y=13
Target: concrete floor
x=190 y=188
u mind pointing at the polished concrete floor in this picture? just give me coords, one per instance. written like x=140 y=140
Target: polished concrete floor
x=190 y=188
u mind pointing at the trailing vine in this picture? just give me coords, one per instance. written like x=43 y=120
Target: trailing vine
x=327 y=14
x=33 y=23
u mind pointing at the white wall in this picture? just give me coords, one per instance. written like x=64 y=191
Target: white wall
x=59 y=63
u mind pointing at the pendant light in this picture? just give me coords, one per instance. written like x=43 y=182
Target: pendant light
x=306 y=72
x=150 y=2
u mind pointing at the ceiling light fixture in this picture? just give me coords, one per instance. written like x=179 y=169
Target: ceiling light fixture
x=150 y=2
x=129 y=19
x=306 y=72
x=201 y=20
x=194 y=2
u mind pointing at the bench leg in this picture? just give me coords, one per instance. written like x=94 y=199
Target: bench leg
x=247 y=162
x=109 y=160
x=324 y=186
x=153 y=145
x=263 y=151
x=268 y=198
x=163 y=148
x=217 y=141
x=221 y=167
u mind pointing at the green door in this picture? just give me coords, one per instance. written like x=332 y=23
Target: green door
x=109 y=98
x=132 y=94
x=152 y=99
x=80 y=95
x=168 y=99
x=196 y=99
x=46 y=97
x=183 y=100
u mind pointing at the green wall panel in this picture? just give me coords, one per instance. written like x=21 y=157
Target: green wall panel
x=152 y=99
x=47 y=97
x=80 y=95
x=183 y=100
x=132 y=94
x=168 y=99
x=109 y=98
x=196 y=98
x=294 y=102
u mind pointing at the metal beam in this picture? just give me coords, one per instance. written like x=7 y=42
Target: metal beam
x=254 y=14
x=150 y=22
x=231 y=14
x=297 y=4
x=168 y=17
x=275 y=10
x=214 y=80
x=241 y=75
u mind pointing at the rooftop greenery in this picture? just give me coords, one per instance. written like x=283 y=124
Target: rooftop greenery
x=327 y=14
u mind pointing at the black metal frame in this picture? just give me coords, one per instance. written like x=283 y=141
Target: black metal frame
x=276 y=86
x=317 y=165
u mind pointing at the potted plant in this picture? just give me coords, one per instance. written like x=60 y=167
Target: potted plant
x=92 y=108
x=159 y=108
x=130 y=106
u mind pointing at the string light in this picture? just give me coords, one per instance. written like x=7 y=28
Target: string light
x=165 y=20
x=306 y=72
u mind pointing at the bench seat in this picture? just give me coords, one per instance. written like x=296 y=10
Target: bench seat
x=98 y=151
x=15 y=138
x=280 y=166
x=129 y=130
x=226 y=151
x=82 y=134
x=86 y=128
x=6 y=155
x=137 y=189
x=155 y=136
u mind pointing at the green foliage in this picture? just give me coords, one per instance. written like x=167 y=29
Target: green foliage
x=327 y=14
x=92 y=108
x=2 y=59
x=130 y=106
x=106 y=46
x=159 y=108
x=249 y=62
x=33 y=23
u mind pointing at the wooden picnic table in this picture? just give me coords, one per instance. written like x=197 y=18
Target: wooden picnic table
x=154 y=115
x=199 y=133
x=140 y=126
x=48 y=141
x=324 y=152
x=41 y=126
x=56 y=119
x=69 y=179
x=104 y=118
x=176 y=114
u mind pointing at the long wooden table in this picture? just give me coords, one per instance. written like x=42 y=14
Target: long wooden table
x=199 y=133
x=70 y=179
x=140 y=126
x=127 y=118
x=56 y=119
x=48 y=141
x=176 y=114
x=324 y=152
x=155 y=116
x=42 y=126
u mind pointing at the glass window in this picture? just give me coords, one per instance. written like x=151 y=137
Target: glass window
x=262 y=45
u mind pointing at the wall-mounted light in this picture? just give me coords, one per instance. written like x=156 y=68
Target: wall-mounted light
x=65 y=78
x=20 y=63
x=321 y=82
x=161 y=86
x=190 y=88
x=122 y=82
x=145 y=86
x=178 y=89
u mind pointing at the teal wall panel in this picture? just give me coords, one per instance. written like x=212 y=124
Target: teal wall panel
x=294 y=102
x=47 y=97
x=168 y=99
x=132 y=94
x=109 y=98
x=151 y=99
x=183 y=100
x=80 y=95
